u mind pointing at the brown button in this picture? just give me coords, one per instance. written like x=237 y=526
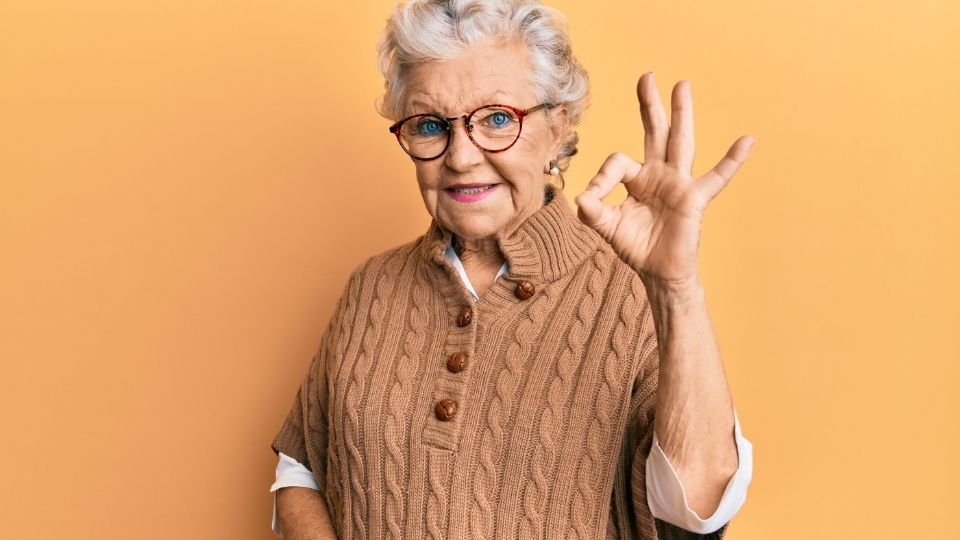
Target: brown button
x=457 y=362
x=445 y=409
x=524 y=290
x=465 y=316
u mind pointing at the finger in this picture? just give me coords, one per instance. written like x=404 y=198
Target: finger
x=721 y=174
x=680 y=143
x=597 y=215
x=655 y=127
x=617 y=168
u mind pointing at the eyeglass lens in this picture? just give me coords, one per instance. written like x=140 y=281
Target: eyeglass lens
x=491 y=128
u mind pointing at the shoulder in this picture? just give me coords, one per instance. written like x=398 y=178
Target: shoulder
x=371 y=278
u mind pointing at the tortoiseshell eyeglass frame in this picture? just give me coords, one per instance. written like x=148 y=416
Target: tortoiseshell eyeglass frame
x=521 y=114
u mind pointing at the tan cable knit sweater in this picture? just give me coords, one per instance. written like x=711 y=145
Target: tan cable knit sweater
x=528 y=414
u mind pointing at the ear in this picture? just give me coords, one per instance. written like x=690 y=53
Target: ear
x=559 y=128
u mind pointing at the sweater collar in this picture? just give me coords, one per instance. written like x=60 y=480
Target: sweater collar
x=549 y=243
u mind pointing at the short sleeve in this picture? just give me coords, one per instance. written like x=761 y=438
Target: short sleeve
x=303 y=435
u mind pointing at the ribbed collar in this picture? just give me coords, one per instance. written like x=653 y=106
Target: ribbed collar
x=549 y=243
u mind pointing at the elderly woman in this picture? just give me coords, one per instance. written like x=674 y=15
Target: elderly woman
x=519 y=371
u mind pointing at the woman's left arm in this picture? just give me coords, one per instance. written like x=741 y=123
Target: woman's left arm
x=656 y=230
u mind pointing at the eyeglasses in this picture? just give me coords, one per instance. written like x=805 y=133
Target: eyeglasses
x=492 y=128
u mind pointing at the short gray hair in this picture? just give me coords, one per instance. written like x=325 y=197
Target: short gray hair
x=428 y=30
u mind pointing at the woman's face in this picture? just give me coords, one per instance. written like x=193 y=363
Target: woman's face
x=513 y=179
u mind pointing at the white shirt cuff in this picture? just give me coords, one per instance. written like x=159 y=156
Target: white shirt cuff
x=668 y=500
x=290 y=473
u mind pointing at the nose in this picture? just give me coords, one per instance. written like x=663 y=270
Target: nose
x=462 y=154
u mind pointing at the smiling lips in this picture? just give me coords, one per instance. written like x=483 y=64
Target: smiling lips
x=468 y=193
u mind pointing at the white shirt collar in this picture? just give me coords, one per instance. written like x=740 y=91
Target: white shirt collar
x=451 y=255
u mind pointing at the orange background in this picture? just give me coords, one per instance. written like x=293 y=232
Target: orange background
x=185 y=187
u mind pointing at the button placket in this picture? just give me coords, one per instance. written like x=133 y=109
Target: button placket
x=452 y=376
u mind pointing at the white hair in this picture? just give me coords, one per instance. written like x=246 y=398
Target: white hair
x=430 y=30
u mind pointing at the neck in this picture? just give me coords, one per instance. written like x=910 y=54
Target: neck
x=484 y=251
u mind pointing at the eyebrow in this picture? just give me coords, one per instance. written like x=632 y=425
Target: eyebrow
x=431 y=109
x=417 y=104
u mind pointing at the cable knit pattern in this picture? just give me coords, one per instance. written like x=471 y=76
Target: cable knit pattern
x=601 y=422
x=554 y=403
x=354 y=435
x=505 y=387
x=553 y=424
x=437 y=502
x=396 y=435
x=344 y=333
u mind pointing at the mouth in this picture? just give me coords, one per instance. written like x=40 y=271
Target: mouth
x=470 y=189
x=470 y=193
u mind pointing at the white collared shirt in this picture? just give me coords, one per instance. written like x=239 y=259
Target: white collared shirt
x=665 y=494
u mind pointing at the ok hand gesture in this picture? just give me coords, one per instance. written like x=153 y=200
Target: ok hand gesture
x=656 y=229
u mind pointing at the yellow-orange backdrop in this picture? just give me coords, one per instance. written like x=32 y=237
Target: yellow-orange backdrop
x=185 y=186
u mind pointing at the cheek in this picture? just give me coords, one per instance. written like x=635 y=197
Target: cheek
x=535 y=144
x=520 y=170
x=525 y=177
x=524 y=162
x=428 y=174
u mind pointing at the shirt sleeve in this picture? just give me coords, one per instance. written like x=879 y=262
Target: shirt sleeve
x=668 y=499
x=290 y=473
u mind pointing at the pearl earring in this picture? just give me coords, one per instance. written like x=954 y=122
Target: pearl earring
x=554 y=170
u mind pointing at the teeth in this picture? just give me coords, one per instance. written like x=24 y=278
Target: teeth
x=473 y=190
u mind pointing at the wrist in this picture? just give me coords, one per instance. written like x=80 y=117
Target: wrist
x=674 y=292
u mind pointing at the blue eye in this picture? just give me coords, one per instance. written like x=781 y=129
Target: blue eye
x=429 y=127
x=497 y=120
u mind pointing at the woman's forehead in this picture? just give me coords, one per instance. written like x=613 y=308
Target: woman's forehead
x=455 y=105
x=482 y=75
x=452 y=104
